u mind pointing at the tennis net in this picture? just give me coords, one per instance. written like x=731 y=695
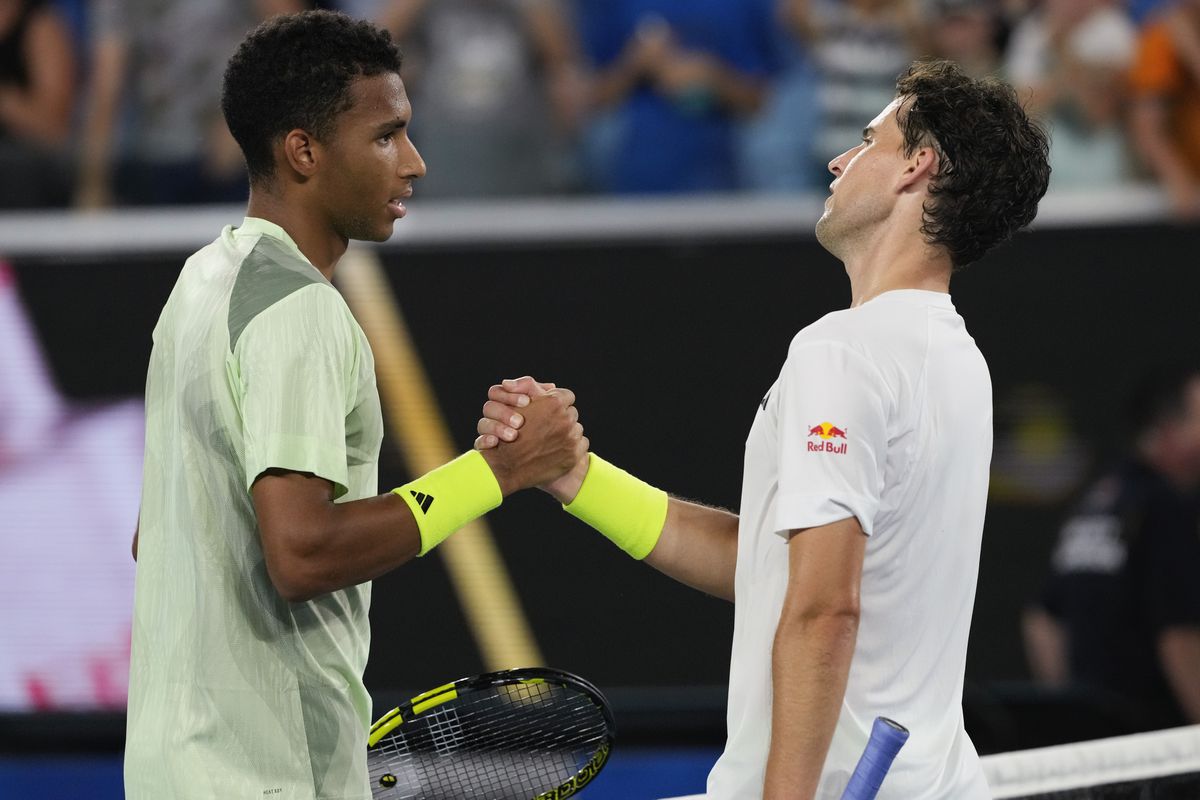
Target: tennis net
x=1162 y=765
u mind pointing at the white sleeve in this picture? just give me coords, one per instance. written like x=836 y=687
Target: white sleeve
x=833 y=412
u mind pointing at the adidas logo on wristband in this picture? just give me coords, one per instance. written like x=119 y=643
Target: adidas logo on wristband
x=423 y=500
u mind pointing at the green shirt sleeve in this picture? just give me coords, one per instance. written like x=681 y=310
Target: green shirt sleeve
x=295 y=366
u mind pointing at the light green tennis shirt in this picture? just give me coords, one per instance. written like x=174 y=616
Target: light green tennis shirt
x=234 y=692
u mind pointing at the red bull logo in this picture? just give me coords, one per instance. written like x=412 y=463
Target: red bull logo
x=827 y=432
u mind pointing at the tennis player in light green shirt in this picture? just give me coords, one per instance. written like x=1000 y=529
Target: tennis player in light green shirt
x=260 y=526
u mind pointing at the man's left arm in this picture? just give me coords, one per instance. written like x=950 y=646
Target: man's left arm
x=810 y=662
x=833 y=442
x=1179 y=655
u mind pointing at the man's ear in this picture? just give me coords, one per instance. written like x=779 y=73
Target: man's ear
x=920 y=167
x=299 y=152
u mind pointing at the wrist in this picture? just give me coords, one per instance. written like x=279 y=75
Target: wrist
x=500 y=472
x=566 y=488
x=447 y=498
x=630 y=512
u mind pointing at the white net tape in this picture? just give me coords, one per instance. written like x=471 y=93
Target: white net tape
x=1098 y=763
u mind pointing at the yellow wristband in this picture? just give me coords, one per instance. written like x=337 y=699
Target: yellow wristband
x=445 y=499
x=629 y=511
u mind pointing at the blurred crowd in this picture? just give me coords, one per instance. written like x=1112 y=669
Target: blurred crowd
x=116 y=102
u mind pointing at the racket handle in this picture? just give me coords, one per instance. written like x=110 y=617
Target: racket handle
x=887 y=737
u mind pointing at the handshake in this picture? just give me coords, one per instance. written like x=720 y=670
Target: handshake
x=530 y=435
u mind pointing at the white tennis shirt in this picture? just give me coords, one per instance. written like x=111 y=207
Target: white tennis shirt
x=882 y=412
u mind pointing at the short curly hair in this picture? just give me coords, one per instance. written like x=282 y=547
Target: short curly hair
x=295 y=71
x=993 y=159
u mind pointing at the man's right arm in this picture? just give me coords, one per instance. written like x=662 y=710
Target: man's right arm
x=1045 y=648
x=313 y=546
x=696 y=545
x=1179 y=655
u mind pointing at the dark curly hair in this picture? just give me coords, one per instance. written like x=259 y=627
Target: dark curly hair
x=294 y=71
x=993 y=159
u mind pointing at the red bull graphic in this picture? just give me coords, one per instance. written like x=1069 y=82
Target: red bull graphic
x=827 y=432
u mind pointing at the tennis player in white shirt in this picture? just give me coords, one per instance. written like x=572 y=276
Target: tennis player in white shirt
x=855 y=558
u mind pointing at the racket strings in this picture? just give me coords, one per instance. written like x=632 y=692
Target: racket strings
x=506 y=772
x=510 y=741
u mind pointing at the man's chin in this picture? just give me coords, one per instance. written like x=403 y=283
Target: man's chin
x=378 y=235
x=383 y=234
x=822 y=229
x=828 y=235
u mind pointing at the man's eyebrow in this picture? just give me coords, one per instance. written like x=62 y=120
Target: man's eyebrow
x=391 y=125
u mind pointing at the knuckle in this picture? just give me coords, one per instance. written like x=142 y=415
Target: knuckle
x=494 y=409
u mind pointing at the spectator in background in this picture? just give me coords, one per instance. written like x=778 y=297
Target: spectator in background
x=1089 y=148
x=1035 y=56
x=498 y=86
x=37 y=92
x=671 y=80
x=1121 y=611
x=967 y=33
x=775 y=145
x=169 y=55
x=859 y=47
x=1166 y=111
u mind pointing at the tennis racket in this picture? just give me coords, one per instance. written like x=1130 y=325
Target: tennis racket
x=520 y=734
x=887 y=737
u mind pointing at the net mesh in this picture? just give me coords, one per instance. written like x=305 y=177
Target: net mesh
x=506 y=742
x=1163 y=765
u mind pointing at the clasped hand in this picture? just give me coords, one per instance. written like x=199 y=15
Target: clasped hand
x=530 y=435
